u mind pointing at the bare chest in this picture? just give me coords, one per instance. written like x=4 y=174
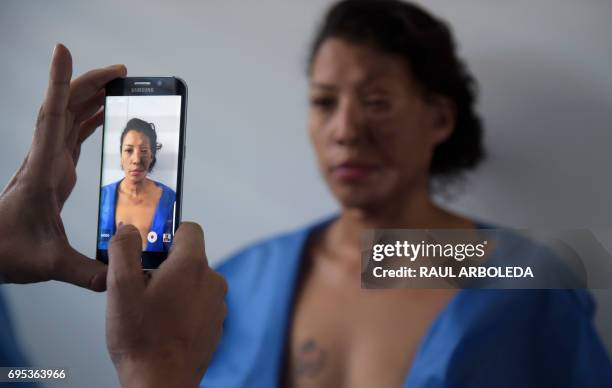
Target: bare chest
x=343 y=336
x=139 y=213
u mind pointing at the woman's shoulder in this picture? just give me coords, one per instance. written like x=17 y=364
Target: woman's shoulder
x=531 y=337
x=498 y=303
x=165 y=189
x=264 y=251
x=111 y=185
x=110 y=188
x=275 y=254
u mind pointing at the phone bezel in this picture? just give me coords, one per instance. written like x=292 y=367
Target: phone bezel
x=159 y=86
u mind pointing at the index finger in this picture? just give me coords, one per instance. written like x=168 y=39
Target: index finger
x=89 y=84
x=124 y=264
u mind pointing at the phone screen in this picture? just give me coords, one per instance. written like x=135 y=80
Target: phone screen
x=141 y=171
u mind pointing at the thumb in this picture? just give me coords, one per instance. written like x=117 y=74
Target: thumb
x=80 y=270
x=50 y=130
x=124 y=281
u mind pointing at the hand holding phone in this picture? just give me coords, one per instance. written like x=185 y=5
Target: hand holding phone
x=35 y=247
x=38 y=249
x=157 y=334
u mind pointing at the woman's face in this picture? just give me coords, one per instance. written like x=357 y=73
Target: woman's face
x=136 y=156
x=371 y=127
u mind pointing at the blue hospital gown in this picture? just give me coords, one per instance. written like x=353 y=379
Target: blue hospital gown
x=482 y=338
x=162 y=220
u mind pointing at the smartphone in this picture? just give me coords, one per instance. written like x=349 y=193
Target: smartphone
x=143 y=151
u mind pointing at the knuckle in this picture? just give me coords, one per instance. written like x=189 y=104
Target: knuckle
x=119 y=280
x=218 y=282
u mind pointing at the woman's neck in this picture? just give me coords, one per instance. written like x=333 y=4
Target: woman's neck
x=134 y=190
x=414 y=210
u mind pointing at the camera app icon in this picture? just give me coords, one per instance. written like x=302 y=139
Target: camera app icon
x=152 y=237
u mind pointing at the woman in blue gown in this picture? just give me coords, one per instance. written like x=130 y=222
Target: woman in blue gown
x=137 y=199
x=391 y=113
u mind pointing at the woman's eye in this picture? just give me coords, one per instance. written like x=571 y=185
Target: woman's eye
x=128 y=150
x=378 y=104
x=325 y=103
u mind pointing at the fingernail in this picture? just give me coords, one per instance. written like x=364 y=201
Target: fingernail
x=120 y=224
x=118 y=65
x=57 y=45
x=54 y=51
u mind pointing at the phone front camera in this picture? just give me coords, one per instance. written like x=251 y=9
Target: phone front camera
x=159 y=83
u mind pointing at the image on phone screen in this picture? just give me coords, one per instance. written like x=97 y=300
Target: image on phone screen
x=141 y=171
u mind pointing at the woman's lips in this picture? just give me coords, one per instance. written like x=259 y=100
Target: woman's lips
x=137 y=172
x=353 y=171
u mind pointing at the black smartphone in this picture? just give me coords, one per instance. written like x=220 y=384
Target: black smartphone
x=143 y=151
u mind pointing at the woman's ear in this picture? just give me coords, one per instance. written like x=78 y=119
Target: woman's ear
x=443 y=114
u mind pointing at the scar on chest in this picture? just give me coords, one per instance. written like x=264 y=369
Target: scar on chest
x=309 y=359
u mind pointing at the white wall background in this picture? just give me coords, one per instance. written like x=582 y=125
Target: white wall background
x=543 y=67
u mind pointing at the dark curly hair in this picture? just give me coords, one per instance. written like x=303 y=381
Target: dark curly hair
x=426 y=43
x=147 y=129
